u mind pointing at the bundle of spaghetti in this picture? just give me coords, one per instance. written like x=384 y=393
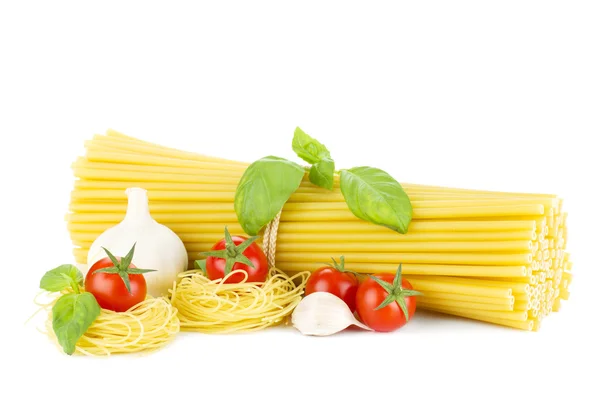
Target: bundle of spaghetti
x=490 y=239
x=145 y=327
x=219 y=307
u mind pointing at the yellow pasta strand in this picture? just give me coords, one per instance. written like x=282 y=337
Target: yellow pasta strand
x=419 y=269
x=414 y=258
x=467 y=305
x=505 y=300
x=104 y=195
x=526 y=325
x=84 y=164
x=129 y=176
x=120 y=208
x=98 y=185
x=435 y=247
x=415 y=226
x=504 y=315
x=515 y=287
x=151 y=160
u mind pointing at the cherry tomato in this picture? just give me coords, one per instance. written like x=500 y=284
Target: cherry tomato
x=242 y=254
x=335 y=280
x=390 y=291
x=109 y=287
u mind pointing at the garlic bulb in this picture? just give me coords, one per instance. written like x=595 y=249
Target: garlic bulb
x=322 y=314
x=157 y=247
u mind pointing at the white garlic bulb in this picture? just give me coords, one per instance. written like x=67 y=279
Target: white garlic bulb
x=156 y=246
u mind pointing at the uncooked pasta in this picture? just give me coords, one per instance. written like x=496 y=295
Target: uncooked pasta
x=148 y=326
x=495 y=242
x=217 y=307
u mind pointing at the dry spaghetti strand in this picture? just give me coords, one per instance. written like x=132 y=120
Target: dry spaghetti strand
x=216 y=307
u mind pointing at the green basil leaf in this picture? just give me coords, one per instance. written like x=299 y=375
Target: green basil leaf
x=61 y=278
x=72 y=315
x=321 y=173
x=373 y=195
x=263 y=190
x=308 y=148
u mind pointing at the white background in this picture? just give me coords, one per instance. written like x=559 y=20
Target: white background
x=491 y=95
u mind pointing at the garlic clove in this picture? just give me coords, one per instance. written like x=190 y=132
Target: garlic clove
x=323 y=314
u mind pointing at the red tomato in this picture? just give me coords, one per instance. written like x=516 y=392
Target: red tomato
x=110 y=289
x=336 y=280
x=239 y=250
x=371 y=294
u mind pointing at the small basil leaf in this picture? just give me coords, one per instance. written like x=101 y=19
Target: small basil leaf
x=374 y=196
x=308 y=148
x=321 y=173
x=61 y=278
x=72 y=315
x=263 y=190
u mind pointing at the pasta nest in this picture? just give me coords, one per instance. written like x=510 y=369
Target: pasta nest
x=147 y=326
x=217 y=307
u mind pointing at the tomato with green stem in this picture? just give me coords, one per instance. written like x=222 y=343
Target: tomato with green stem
x=116 y=283
x=235 y=253
x=334 y=279
x=386 y=302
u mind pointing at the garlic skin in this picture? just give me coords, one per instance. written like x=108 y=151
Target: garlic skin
x=156 y=246
x=323 y=314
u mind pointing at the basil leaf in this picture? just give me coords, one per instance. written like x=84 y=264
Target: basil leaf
x=373 y=195
x=72 y=315
x=308 y=148
x=321 y=173
x=263 y=190
x=61 y=278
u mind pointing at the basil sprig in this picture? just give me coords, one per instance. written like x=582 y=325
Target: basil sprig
x=314 y=152
x=308 y=148
x=370 y=193
x=263 y=190
x=74 y=312
x=321 y=173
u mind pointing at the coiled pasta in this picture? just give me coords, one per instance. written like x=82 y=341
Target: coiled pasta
x=216 y=307
x=148 y=326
